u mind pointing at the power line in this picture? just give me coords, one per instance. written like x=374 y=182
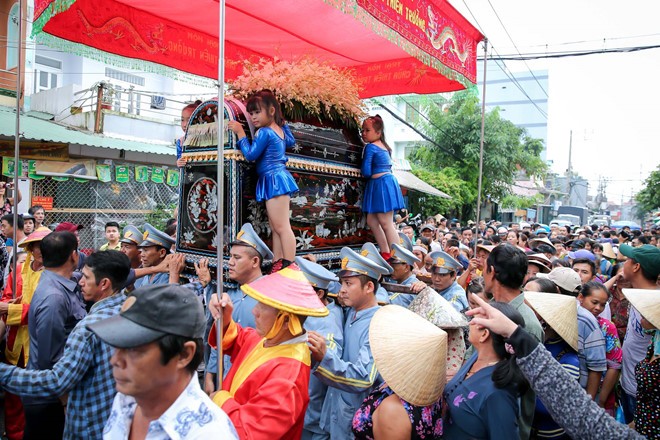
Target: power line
x=567 y=54
x=426 y=138
x=516 y=47
x=504 y=70
x=602 y=40
x=520 y=87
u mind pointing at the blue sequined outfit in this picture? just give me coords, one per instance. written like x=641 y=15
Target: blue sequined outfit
x=383 y=193
x=268 y=150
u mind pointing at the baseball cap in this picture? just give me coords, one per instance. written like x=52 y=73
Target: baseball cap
x=427 y=226
x=150 y=313
x=564 y=277
x=582 y=254
x=68 y=226
x=647 y=256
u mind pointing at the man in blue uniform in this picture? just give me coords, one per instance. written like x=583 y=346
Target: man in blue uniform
x=130 y=239
x=370 y=251
x=331 y=329
x=403 y=261
x=350 y=374
x=154 y=248
x=246 y=258
x=443 y=276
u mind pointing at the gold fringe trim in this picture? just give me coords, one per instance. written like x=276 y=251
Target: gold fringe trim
x=294 y=163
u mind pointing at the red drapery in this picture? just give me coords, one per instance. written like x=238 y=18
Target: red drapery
x=394 y=46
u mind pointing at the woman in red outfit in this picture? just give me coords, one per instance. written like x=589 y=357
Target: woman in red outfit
x=14 y=308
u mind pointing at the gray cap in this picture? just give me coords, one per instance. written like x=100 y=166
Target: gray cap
x=400 y=254
x=131 y=235
x=354 y=264
x=247 y=236
x=370 y=251
x=150 y=313
x=404 y=241
x=317 y=275
x=444 y=263
x=154 y=237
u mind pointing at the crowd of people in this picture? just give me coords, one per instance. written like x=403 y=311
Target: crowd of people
x=562 y=340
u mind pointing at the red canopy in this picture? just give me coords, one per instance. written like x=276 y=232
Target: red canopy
x=394 y=46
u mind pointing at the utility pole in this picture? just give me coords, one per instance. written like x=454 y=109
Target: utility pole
x=569 y=171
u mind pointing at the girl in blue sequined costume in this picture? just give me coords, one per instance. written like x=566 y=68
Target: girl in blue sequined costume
x=275 y=184
x=382 y=194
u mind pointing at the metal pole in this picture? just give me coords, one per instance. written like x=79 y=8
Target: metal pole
x=569 y=172
x=221 y=178
x=481 y=142
x=17 y=137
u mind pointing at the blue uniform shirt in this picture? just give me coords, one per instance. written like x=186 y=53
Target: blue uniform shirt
x=404 y=299
x=382 y=296
x=350 y=375
x=150 y=280
x=329 y=327
x=455 y=294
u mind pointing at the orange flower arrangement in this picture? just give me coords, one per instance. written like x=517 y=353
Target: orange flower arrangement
x=304 y=88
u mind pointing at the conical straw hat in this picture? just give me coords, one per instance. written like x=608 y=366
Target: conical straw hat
x=410 y=353
x=288 y=290
x=647 y=303
x=608 y=251
x=559 y=311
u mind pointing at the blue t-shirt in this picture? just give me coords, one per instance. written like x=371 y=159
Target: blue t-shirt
x=477 y=408
x=544 y=427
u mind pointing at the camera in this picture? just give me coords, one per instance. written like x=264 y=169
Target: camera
x=416 y=220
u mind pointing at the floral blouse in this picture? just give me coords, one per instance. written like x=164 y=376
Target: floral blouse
x=612 y=343
x=426 y=420
x=647 y=415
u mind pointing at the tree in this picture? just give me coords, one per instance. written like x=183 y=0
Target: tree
x=648 y=199
x=455 y=130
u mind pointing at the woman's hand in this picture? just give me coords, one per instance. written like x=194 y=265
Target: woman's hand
x=488 y=316
x=237 y=128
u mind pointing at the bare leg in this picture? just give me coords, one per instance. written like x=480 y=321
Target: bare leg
x=377 y=230
x=277 y=244
x=386 y=222
x=278 y=217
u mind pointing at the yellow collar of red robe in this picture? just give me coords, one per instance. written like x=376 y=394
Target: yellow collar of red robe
x=259 y=356
x=293 y=324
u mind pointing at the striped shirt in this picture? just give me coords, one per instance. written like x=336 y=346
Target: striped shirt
x=591 y=345
x=83 y=371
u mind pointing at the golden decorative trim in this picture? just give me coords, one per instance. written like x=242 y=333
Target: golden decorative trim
x=294 y=163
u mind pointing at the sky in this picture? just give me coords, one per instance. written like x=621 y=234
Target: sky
x=611 y=102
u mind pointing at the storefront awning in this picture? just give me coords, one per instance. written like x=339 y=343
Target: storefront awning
x=33 y=128
x=410 y=181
